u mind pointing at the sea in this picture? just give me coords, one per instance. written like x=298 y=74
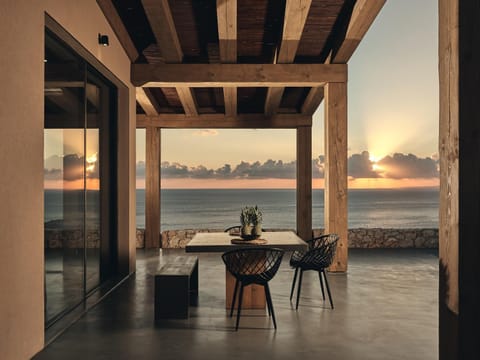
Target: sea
x=220 y=208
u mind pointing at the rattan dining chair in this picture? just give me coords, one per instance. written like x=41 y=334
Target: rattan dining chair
x=318 y=257
x=253 y=266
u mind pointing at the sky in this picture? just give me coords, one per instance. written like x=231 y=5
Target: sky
x=392 y=122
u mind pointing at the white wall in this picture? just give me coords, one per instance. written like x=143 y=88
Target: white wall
x=21 y=157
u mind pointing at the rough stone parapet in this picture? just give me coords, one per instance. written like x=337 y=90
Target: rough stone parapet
x=357 y=238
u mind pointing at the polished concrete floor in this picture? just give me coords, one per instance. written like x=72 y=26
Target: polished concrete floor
x=386 y=307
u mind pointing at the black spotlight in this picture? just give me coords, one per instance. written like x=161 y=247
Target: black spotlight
x=103 y=40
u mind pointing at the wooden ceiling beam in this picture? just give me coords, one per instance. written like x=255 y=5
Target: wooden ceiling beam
x=221 y=121
x=237 y=75
x=227 y=35
x=118 y=28
x=163 y=27
x=188 y=100
x=161 y=21
x=147 y=101
x=296 y=12
x=363 y=15
x=312 y=101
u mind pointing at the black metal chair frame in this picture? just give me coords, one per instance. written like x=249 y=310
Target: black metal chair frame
x=318 y=257
x=236 y=228
x=256 y=265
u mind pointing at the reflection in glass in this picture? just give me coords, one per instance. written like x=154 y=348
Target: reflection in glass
x=77 y=168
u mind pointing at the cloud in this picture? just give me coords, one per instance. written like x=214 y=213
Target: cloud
x=206 y=132
x=401 y=166
x=360 y=166
x=397 y=166
x=174 y=170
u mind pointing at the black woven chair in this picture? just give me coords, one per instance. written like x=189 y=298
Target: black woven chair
x=253 y=266
x=318 y=257
x=233 y=229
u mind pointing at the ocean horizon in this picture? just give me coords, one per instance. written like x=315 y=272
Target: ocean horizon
x=220 y=208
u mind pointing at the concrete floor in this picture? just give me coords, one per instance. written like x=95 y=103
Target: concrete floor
x=386 y=307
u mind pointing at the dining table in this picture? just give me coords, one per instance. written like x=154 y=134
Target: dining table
x=254 y=295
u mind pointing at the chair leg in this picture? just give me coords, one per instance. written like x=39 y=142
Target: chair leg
x=299 y=288
x=293 y=283
x=328 y=288
x=270 y=304
x=234 y=298
x=321 y=284
x=239 y=306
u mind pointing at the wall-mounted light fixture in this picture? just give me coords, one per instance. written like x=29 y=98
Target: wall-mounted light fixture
x=103 y=39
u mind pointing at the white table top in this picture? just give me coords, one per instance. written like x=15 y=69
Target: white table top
x=220 y=241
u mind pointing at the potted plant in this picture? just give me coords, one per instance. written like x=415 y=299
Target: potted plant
x=251 y=221
x=246 y=229
x=256 y=220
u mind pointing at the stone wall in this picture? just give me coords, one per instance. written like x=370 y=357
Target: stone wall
x=357 y=238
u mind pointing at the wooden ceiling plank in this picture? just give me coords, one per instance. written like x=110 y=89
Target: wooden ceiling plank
x=118 y=28
x=296 y=12
x=363 y=15
x=227 y=35
x=161 y=21
x=237 y=75
x=147 y=101
x=221 y=121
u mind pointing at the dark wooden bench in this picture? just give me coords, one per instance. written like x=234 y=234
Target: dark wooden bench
x=176 y=287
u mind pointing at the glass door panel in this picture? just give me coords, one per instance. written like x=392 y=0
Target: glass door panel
x=93 y=184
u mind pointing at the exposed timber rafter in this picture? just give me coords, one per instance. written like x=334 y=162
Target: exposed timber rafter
x=147 y=101
x=227 y=35
x=233 y=75
x=296 y=12
x=161 y=21
x=144 y=97
x=240 y=121
x=363 y=15
x=118 y=28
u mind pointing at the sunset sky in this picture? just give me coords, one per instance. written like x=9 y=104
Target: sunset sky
x=392 y=117
x=392 y=109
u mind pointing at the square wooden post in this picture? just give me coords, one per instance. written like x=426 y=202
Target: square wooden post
x=304 y=182
x=152 y=188
x=459 y=246
x=336 y=170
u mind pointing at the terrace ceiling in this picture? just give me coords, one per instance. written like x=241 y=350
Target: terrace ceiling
x=255 y=62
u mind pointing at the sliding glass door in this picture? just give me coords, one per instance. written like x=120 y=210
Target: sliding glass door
x=78 y=162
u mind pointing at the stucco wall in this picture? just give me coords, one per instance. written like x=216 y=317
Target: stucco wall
x=21 y=156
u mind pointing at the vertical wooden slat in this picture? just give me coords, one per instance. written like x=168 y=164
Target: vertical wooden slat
x=304 y=182
x=152 y=188
x=336 y=170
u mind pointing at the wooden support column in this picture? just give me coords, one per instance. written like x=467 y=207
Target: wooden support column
x=304 y=182
x=336 y=170
x=459 y=246
x=152 y=188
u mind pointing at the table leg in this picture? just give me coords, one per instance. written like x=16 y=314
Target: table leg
x=253 y=295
